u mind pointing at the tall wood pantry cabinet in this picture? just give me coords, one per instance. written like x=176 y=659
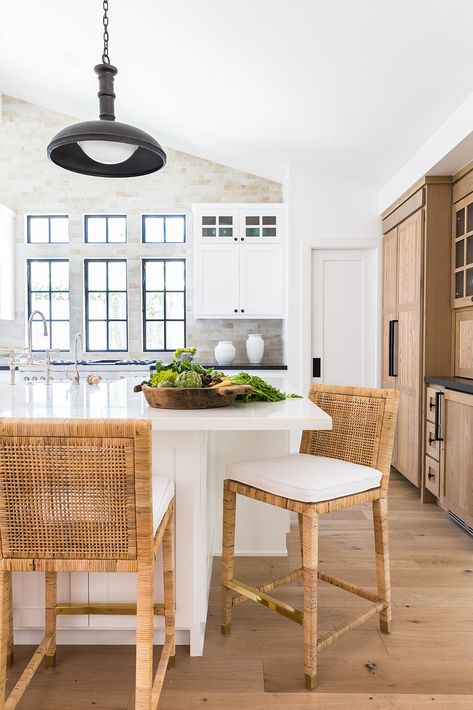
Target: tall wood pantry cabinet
x=416 y=322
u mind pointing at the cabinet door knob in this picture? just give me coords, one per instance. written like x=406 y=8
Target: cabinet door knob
x=243 y=239
x=430 y=476
x=235 y=239
x=236 y=310
x=242 y=310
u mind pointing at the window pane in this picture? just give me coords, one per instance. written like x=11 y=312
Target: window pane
x=39 y=230
x=174 y=335
x=155 y=305
x=117 y=305
x=209 y=232
x=225 y=232
x=97 y=336
x=97 y=305
x=209 y=220
x=252 y=232
x=469 y=282
x=174 y=275
x=175 y=229
x=252 y=220
x=469 y=250
x=117 y=229
x=459 y=284
x=59 y=229
x=155 y=335
x=96 y=229
x=59 y=276
x=460 y=253
x=117 y=275
x=175 y=305
x=40 y=341
x=60 y=336
x=40 y=302
x=117 y=335
x=269 y=231
x=60 y=306
x=39 y=271
x=269 y=219
x=96 y=275
x=154 y=275
x=225 y=220
x=153 y=229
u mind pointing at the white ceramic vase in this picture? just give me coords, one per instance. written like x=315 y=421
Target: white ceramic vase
x=255 y=348
x=225 y=352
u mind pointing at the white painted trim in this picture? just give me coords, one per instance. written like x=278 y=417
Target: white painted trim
x=307 y=246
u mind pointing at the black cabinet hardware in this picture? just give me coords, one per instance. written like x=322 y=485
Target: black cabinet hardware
x=316 y=367
x=242 y=310
x=438 y=420
x=392 y=348
x=430 y=476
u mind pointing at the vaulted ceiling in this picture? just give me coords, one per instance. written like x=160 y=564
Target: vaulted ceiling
x=338 y=85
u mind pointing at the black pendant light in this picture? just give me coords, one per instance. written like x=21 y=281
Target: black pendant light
x=106 y=148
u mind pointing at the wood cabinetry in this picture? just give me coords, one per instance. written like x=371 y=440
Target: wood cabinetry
x=448 y=467
x=464 y=343
x=416 y=310
x=239 y=261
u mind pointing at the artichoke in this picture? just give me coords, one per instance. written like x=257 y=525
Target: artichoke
x=188 y=379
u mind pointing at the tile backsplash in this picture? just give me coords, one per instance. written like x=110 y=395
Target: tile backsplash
x=30 y=184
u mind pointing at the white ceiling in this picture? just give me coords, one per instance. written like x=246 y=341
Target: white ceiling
x=338 y=85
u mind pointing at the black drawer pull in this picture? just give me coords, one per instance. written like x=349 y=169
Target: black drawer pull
x=430 y=475
x=438 y=421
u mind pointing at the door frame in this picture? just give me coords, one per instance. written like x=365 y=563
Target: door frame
x=346 y=243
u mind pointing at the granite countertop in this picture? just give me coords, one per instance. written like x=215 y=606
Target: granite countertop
x=459 y=384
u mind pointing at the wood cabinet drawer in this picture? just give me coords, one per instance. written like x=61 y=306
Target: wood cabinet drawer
x=432 y=476
x=432 y=446
x=430 y=403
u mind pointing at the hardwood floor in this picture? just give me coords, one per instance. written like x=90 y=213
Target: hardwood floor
x=427 y=661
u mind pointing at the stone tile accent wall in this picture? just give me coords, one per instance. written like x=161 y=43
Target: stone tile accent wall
x=30 y=184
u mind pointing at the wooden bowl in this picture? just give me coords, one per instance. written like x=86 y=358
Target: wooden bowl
x=192 y=398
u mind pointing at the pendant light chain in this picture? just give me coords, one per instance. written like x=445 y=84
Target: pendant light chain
x=105 y=57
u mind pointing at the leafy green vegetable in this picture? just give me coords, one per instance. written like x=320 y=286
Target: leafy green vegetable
x=166 y=383
x=262 y=391
x=162 y=376
x=188 y=379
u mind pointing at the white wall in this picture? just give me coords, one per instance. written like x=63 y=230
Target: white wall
x=320 y=206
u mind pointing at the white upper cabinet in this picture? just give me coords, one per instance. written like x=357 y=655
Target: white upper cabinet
x=7 y=264
x=217 y=226
x=239 y=261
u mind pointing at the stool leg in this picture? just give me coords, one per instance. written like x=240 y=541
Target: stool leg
x=381 y=543
x=228 y=550
x=144 y=639
x=310 y=569
x=50 y=581
x=169 y=588
x=10 y=653
x=301 y=534
x=5 y=584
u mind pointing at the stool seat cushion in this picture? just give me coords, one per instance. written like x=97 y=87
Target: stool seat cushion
x=163 y=493
x=305 y=477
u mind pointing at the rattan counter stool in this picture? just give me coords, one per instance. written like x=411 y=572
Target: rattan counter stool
x=77 y=496
x=335 y=469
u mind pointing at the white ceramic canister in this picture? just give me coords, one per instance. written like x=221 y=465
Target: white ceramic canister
x=255 y=348
x=225 y=352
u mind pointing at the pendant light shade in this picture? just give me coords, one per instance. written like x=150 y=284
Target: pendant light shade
x=106 y=148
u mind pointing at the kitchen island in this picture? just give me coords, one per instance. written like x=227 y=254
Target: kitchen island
x=192 y=447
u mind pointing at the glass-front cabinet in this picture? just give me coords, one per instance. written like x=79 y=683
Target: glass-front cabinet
x=220 y=224
x=463 y=253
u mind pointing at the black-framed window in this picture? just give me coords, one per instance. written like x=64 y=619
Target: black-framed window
x=163 y=228
x=106 y=305
x=47 y=229
x=48 y=292
x=164 y=304
x=105 y=229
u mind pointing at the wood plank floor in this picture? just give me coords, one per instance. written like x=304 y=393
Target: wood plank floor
x=427 y=661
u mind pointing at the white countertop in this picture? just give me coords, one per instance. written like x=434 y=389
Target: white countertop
x=116 y=400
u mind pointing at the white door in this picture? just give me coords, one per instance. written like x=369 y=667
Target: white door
x=344 y=298
x=216 y=281
x=262 y=280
